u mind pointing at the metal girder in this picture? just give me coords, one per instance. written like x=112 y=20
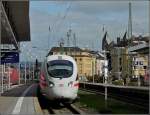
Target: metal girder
x=8 y=29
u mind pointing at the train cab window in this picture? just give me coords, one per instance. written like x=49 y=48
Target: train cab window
x=60 y=68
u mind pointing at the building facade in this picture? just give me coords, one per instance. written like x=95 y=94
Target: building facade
x=120 y=62
x=140 y=60
x=129 y=57
x=88 y=63
x=139 y=65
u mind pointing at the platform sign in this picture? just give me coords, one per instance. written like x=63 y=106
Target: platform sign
x=9 y=57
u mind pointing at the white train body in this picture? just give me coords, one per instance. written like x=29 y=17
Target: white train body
x=58 y=78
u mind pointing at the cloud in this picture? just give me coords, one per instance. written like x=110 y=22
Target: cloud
x=86 y=19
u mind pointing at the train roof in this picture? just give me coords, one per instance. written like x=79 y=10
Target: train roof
x=59 y=57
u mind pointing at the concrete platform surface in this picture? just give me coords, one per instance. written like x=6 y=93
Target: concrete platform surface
x=20 y=100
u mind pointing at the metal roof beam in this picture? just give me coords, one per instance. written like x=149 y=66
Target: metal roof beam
x=8 y=27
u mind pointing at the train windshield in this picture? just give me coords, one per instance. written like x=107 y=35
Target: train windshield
x=60 y=68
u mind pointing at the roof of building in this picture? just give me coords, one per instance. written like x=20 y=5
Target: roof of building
x=133 y=41
x=65 y=49
x=140 y=48
x=72 y=49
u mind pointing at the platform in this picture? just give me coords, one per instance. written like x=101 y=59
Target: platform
x=20 y=100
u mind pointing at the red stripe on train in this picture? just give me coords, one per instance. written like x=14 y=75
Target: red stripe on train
x=76 y=85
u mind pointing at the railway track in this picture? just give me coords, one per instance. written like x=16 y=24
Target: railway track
x=65 y=109
x=142 y=103
x=49 y=107
x=62 y=109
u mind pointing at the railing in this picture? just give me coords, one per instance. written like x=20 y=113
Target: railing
x=131 y=94
x=4 y=78
x=10 y=77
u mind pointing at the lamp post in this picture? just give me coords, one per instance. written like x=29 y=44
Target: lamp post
x=25 y=74
x=2 y=79
x=32 y=68
x=105 y=76
x=19 y=72
x=25 y=65
x=9 y=70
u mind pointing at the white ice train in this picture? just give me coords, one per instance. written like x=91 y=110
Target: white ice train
x=58 y=78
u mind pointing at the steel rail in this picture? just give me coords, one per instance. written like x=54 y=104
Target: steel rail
x=66 y=109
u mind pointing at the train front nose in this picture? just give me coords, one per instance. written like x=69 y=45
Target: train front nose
x=61 y=92
x=65 y=92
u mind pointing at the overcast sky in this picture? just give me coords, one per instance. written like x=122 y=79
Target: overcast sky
x=85 y=18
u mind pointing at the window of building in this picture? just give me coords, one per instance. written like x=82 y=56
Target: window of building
x=134 y=67
x=140 y=62
x=144 y=67
x=120 y=60
x=75 y=59
x=135 y=62
x=120 y=69
x=80 y=59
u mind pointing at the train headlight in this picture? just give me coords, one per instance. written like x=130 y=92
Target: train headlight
x=51 y=84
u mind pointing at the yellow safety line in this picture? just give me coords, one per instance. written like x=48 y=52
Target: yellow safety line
x=37 y=107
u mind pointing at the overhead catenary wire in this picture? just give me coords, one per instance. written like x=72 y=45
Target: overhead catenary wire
x=51 y=28
x=64 y=17
x=57 y=25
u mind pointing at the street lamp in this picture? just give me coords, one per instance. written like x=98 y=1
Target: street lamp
x=28 y=54
x=105 y=75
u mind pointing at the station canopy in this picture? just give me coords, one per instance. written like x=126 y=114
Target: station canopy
x=15 y=24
